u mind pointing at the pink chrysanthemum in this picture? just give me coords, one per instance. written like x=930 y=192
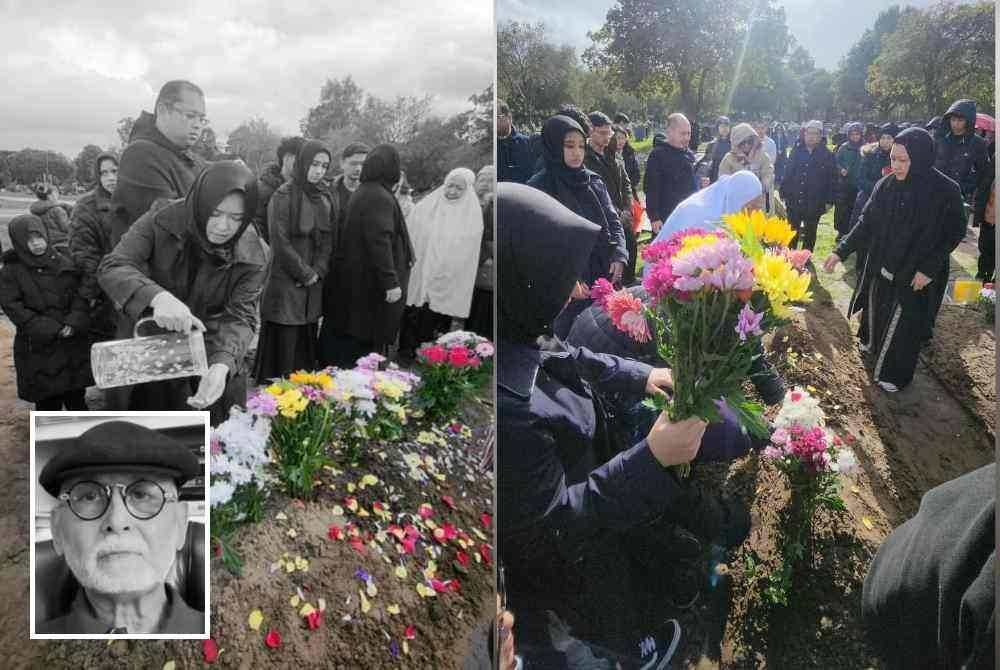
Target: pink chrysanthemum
x=625 y=311
x=600 y=291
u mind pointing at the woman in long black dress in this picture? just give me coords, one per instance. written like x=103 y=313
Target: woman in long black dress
x=910 y=225
x=301 y=234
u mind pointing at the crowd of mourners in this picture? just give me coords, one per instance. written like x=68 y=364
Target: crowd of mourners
x=282 y=271
x=599 y=539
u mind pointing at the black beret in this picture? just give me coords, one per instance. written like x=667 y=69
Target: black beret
x=120 y=444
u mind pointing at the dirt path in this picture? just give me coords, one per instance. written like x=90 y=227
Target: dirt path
x=939 y=428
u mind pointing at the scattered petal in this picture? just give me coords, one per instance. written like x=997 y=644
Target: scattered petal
x=484 y=551
x=486 y=520
x=322 y=604
x=306 y=610
x=449 y=501
x=411 y=632
x=335 y=533
x=210 y=650
x=281 y=516
x=294 y=601
x=463 y=558
x=365 y=605
x=394 y=649
x=256 y=618
x=338 y=510
x=369 y=480
x=359 y=546
x=273 y=639
x=867 y=522
x=425 y=591
x=406 y=647
x=314 y=619
x=401 y=572
x=169 y=665
x=351 y=487
x=392 y=609
x=371 y=589
x=292 y=533
x=425 y=511
x=351 y=503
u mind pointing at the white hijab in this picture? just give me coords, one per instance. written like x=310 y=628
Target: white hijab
x=446 y=236
x=704 y=208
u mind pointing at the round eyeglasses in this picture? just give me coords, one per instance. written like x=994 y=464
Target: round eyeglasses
x=143 y=499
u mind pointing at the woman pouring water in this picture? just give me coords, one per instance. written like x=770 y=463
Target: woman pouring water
x=195 y=263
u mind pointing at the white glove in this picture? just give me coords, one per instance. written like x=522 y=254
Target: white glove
x=172 y=314
x=210 y=388
x=393 y=295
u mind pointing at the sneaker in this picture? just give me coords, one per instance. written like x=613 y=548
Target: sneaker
x=656 y=656
x=888 y=387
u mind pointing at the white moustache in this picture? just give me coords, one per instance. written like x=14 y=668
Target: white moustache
x=109 y=548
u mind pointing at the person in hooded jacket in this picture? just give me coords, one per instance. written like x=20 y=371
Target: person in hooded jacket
x=158 y=163
x=961 y=154
x=747 y=154
x=370 y=271
x=90 y=242
x=565 y=178
x=300 y=216
x=910 y=225
x=718 y=148
x=567 y=499
x=848 y=158
x=874 y=165
x=807 y=188
x=196 y=262
x=40 y=294
x=929 y=598
x=273 y=176
x=54 y=214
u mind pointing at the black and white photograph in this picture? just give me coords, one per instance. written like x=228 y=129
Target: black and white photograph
x=119 y=530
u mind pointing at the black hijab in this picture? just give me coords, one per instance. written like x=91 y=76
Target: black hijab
x=888 y=129
x=301 y=185
x=210 y=187
x=382 y=166
x=904 y=198
x=920 y=146
x=542 y=249
x=20 y=228
x=105 y=156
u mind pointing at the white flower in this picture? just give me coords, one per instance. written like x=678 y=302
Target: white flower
x=463 y=337
x=799 y=409
x=220 y=493
x=845 y=462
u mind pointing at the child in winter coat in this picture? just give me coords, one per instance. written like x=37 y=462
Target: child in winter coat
x=40 y=292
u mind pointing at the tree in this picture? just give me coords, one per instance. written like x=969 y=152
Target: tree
x=84 y=163
x=30 y=165
x=533 y=76
x=818 y=94
x=125 y=130
x=255 y=142
x=936 y=54
x=340 y=103
x=851 y=78
x=800 y=62
x=649 y=41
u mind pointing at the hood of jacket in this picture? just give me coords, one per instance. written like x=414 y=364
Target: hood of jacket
x=40 y=207
x=145 y=128
x=964 y=108
x=271 y=176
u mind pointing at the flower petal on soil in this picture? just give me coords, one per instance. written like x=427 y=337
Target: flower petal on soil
x=359 y=546
x=411 y=632
x=314 y=619
x=273 y=639
x=368 y=480
x=392 y=609
x=463 y=558
x=169 y=665
x=401 y=572
x=294 y=601
x=425 y=511
x=425 y=592
x=484 y=551
x=867 y=523
x=486 y=520
x=351 y=503
x=338 y=510
x=210 y=650
x=256 y=618
x=366 y=606
x=449 y=501
x=306 y=610
x=335 y=533
x=406 y=647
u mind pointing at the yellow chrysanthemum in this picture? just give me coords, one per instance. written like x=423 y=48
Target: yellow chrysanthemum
x=692 y=242
x=389 y=389
x=317 y=379
x=781 y=282
x=769 y=230
x=275 y=389
x=291 y=402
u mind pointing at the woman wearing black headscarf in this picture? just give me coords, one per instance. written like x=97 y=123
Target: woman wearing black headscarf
x=582 y=191
x=198 y=263
x=566 y=498
x=40 y=293
x=301 y=233
x=90 y=241
x=910 y=225
x=365 y=292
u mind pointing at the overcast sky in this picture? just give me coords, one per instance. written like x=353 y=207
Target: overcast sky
x=71 y=71
x=827 y=29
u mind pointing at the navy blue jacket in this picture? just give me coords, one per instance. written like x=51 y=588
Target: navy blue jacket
x=515 y=160
x=964 y=157
x=669 y=179
x=809 y=178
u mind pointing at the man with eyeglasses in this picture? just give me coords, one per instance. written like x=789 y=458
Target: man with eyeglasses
x=158 y=163
x=119 y=526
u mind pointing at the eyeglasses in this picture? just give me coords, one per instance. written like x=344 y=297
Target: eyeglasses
x=143 y=499
x=192 y=116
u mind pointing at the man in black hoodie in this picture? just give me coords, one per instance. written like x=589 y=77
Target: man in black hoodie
x=669 y=174
x=961 y=154
x=157 y=164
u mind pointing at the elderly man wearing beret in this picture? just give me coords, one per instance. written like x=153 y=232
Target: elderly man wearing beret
x=119 y=526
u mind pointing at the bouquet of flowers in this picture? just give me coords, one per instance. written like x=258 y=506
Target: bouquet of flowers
x=373 y=398
x=988 y=301
x=451 y=367
x=813 y=459
x=239 y=480
x=714 y=294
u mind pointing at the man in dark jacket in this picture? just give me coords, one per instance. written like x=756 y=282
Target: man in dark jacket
x=157 y=164
x=808 y=185
x=985 y=220
x=718 y=148
x=929 y=597
x=669 y=172
x=352 y=158
x=515 y=159
x=274 y=176
x=961 y=154
x=600 y=160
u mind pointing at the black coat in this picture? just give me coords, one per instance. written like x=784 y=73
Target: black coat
x=807 y=187
x=89 y=243
x=873 y=161
x=40 y=301
x=373 y=256
x=631 y=166
x=515 y=158
x=269 y=181
x=983 y=194
x=560 y=484
x=929 y=597
x=612 y=172
x=963 y=158
x=669 y=180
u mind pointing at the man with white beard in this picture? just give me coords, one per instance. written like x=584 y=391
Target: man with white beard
x=119 y=526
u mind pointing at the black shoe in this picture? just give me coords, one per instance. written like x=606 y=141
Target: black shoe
x=655 y=654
